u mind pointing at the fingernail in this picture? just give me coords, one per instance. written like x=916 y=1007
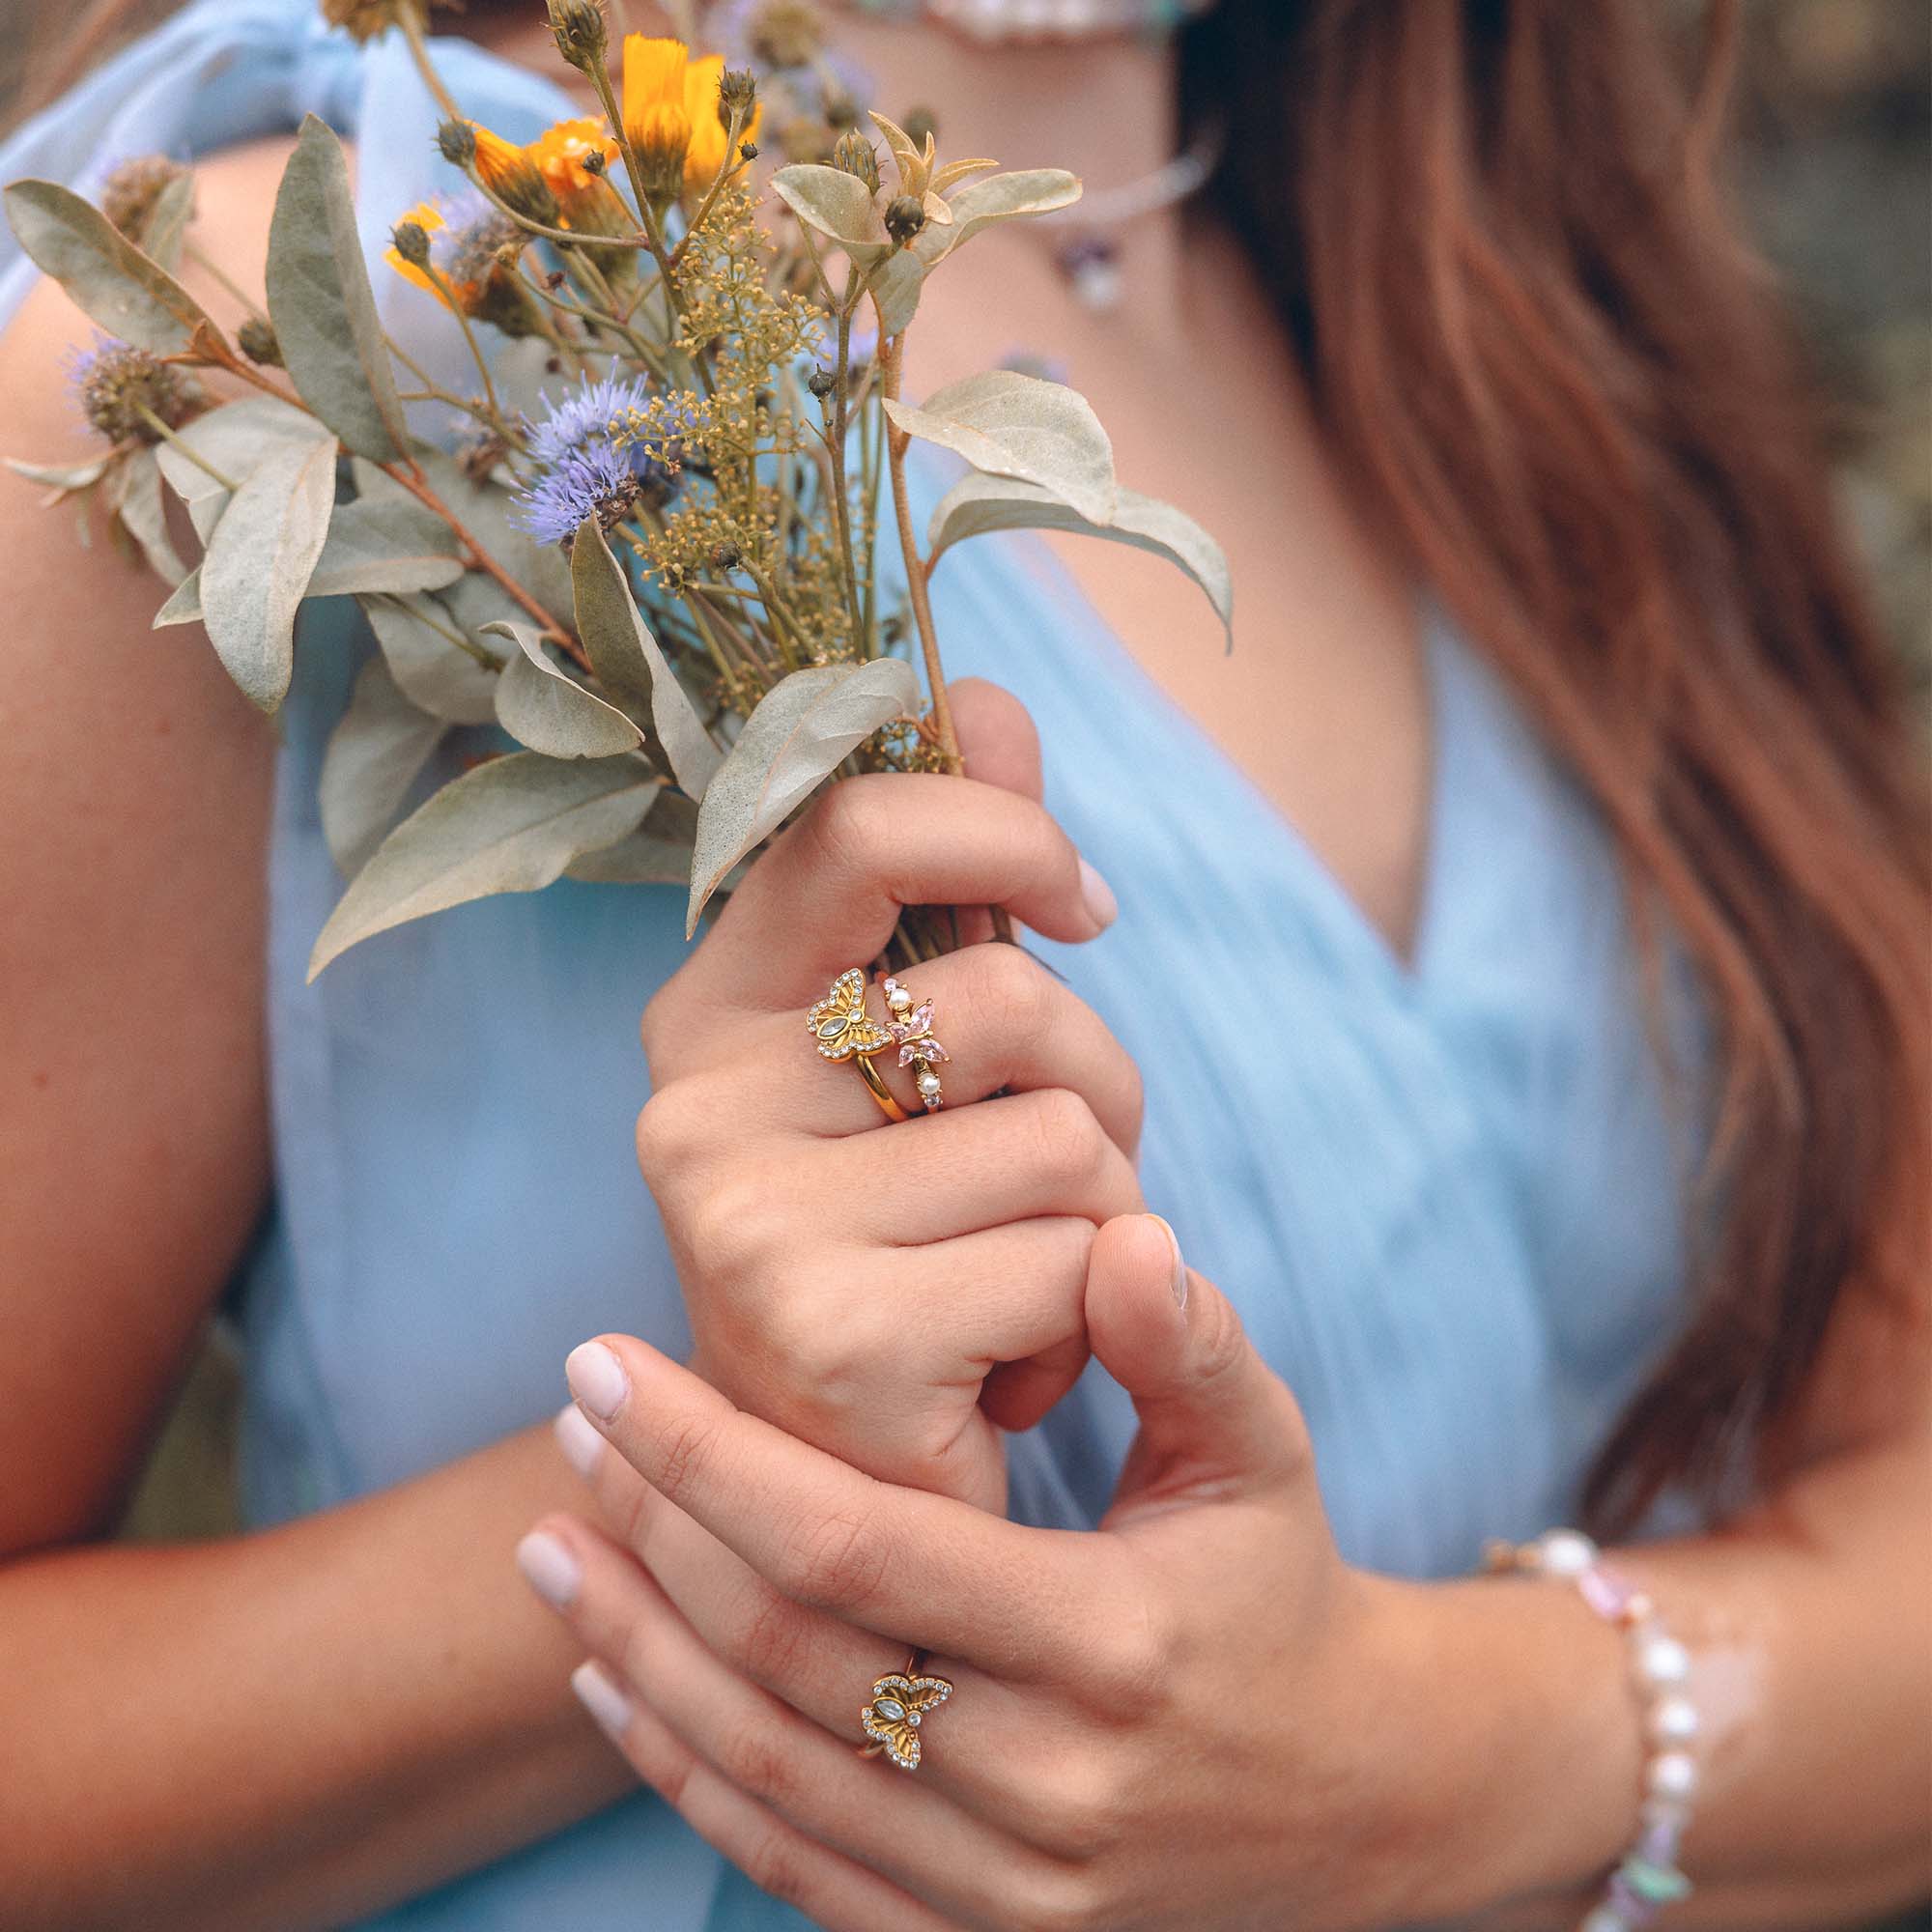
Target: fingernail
x=602 y=1699
x=578 y=1438
x=1179 y=1265
x=597 y=1378
x=1100 y=897
x=549 y=1569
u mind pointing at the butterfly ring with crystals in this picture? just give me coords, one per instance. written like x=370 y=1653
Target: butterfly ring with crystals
x=841 y=1029
x=892 y=1719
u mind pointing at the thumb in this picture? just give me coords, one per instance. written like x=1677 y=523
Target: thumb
x=1211 y=1411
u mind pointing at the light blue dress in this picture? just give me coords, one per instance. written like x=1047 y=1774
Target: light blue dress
x=1445 y=1195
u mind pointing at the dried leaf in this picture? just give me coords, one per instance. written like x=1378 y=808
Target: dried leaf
x=167 y=221
x=1007 y=424
x=836 y=204
x=658 y=853
x=320 y=305
x=547 y=709
x=143 y=519
x=130 y=295
x=232 y=440
x=978 y=505
x=258 y=565
x=630 y=666
x=433 y=673
x=62 y=478
x=804 y=728
x=375 y=754
x=1015 y=196
x=184 y=606
x=510 y=825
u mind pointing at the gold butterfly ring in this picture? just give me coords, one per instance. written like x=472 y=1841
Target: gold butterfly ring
x=841 y=1029
x=892 y=1719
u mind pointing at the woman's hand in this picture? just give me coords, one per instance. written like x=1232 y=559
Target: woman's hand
x=889 y=1292
x=1174 y=1722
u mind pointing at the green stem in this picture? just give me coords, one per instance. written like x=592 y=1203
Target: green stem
x=174 y=441
x=455 y=308
x=411 y=25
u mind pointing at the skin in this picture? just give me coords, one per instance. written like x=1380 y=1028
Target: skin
x=389 y=1637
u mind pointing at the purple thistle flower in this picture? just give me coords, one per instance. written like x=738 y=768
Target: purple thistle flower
x=594 y=480
x=584 y=416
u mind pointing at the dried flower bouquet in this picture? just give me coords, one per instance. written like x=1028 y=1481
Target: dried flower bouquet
x=667 y=572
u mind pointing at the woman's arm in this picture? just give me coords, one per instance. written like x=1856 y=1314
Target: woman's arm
x=281 y=1730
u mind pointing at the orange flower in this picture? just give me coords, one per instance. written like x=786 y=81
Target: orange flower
x=429 y=218
x=512 y=176
x=657 y=121
x=559 y=153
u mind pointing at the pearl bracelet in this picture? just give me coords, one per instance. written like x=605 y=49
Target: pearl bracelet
x=1647 y=1879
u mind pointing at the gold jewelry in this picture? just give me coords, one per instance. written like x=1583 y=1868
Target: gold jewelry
x=891 y=1719
x=911 y=1025
x=843 y=1028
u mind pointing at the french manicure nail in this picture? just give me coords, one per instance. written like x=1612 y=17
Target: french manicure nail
x=549 y=1569
x=1100 y=897
x=1179 y=1265
x=602 y=1699
x=578 y=1438
x=597 y=1378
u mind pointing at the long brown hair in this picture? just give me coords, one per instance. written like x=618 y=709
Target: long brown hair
x=1492 y=231
x=1491 y=228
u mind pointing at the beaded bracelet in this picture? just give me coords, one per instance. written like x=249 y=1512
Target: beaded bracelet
x=1648 y=1878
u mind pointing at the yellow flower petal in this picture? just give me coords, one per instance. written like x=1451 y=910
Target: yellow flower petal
x=654 y=73
x=429 y=218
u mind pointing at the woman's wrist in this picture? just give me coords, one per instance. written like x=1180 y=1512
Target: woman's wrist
x=1506 y=1744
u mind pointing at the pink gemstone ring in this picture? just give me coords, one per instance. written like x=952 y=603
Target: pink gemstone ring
x=909 y=1021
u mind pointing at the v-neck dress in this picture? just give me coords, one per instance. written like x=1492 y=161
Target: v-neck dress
x=1445 y=1194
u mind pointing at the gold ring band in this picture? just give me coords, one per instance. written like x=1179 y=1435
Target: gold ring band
x=898 y=1703
x=875 y=1085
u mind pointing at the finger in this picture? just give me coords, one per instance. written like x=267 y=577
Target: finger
x=932 y=1574
x=833 y=1891
x=997 y=736
x=1015 y=1157
x=813 y=1779
x=829 y=894
x=1211 y=1411
x=1007 y=1025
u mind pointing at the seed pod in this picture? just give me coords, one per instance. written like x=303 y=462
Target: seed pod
x=259 y=344
x=906 y=218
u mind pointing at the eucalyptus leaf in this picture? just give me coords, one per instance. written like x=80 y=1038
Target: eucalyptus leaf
x=436 y=675
x=130 y=295
x=547 y=710
x=978 y=505
x=1019 y=195
x=230 y=442
x=145 y=520
x=380 y=546
x=184 y=606
x=320 y=305
x=658 y=853
x=1007 y=424
x=629 y=663
x=803 y=729
x=895 y=286
x=837 y=206
x=62 y=478
x=167 y=221
x=258 y=565
x=484 y=511
x=377 y=748
x=510 y=825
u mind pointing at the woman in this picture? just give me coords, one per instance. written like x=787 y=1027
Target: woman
x=1537 y=1203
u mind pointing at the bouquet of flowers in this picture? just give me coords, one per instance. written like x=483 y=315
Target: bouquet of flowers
x=662 y=565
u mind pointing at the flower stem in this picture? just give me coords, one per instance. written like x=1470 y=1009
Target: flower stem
x=168 y=435
x=897 y=443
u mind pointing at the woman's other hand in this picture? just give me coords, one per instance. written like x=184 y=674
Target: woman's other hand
x=895 y=1294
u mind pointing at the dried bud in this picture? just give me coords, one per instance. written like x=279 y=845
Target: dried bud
x=921 y=126
x=593 y=160
x=855 y=156
x=456 y=143
x=905 y=218
x=787 y=32
x=838 y=107
x=582 y=37
x=259 y=344
x=737 y=94
x=366 y=20
x=124 y=391
x=478 y=460
x=411 y=243
x=726 y=557
x=134 y=189
x=821 y=383
x=747 y=151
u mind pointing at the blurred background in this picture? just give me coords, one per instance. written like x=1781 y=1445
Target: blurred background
x=1834 y=177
